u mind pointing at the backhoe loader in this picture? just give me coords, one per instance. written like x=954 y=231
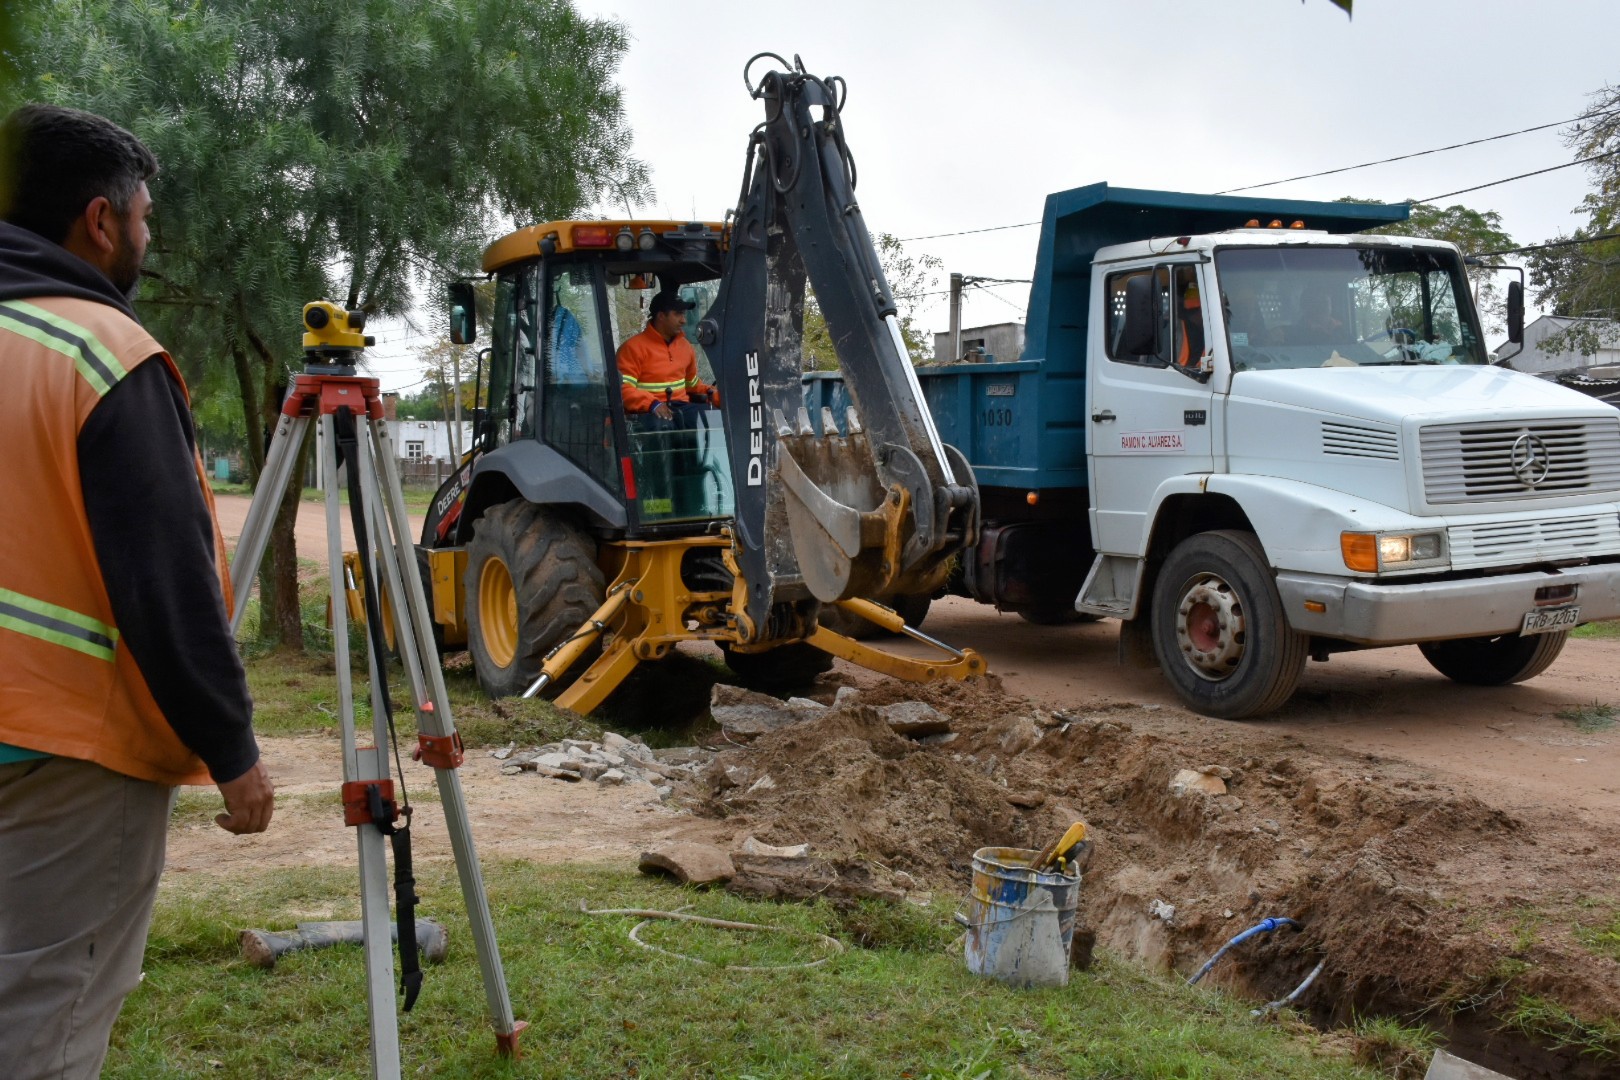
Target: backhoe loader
x=578 y=540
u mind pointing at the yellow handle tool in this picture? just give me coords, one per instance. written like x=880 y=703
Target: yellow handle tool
x=1072 y=837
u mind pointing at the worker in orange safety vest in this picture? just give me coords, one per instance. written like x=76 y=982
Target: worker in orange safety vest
x=658 y=367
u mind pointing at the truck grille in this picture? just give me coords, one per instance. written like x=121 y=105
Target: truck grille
x=1481 y=462
x=1354 y=440
x=1534 y=541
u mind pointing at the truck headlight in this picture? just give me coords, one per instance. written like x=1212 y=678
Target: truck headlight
x=1372 y=553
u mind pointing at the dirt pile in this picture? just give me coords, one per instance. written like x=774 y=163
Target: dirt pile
x=1423 y=902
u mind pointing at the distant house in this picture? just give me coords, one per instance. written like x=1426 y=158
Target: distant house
x=1538 y=361
x=999 y=341
x=422 y=443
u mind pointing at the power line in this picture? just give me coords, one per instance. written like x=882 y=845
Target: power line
x=1551 y=244
x=1334 y=172
x=1521 y=176
x=1418 y=154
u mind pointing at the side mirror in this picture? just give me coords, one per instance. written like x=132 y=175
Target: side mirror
x=463 y=313
x=1140 y=335
x=1515 y=312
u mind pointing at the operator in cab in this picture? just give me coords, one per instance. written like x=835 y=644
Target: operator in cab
x=658 y=367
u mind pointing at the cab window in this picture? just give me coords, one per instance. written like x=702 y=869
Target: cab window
x=577 y=397
x=1181 y=338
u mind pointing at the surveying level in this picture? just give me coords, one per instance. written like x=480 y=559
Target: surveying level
x=351 y=434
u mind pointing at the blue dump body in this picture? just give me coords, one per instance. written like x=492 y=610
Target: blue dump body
x=1022 y=424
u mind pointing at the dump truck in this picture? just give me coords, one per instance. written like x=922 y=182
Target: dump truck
x=1256 y=434
x=579 y=539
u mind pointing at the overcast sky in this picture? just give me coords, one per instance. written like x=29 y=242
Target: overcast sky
x=966 y=115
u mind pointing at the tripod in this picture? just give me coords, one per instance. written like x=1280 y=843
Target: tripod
x=349 y=413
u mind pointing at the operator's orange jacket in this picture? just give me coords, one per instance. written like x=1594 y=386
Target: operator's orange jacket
x=653 y=370
x=70 y=685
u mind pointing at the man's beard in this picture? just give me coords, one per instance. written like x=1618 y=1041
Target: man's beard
x=125 y=273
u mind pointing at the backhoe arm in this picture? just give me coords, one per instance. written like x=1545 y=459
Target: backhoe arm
x=875 y=504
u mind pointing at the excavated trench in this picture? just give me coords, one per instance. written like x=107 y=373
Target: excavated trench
x=1422 y=903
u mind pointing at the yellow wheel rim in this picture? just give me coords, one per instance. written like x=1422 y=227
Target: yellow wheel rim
x=497 y=612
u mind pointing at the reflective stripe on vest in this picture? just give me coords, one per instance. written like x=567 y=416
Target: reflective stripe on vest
x=642 y=384
x=90 y=357
x=57 y=625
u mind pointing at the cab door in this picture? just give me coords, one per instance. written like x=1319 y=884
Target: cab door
x=1152 y=414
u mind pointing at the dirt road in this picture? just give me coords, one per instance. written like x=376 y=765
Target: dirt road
x=1505 y=744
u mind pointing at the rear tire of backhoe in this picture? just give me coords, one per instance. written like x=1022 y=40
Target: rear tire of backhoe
x=1494 y=661
x=784 y=668
x=1219 y=631
x=531 y=580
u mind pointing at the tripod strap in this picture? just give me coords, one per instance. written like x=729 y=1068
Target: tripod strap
x=382 y=815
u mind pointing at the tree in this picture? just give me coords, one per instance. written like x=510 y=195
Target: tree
x=353 y=149
x=1580 y=278
x=910 y=278
x=1475 y=232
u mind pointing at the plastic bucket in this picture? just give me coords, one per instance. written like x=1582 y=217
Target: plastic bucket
x=1020 y=921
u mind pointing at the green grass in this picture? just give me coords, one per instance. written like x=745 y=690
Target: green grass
x=1549 y=1023
x=1602 y=938
x=1607 y=629
x=1589 y=718
x=599 y=1006
x=1398 y=1050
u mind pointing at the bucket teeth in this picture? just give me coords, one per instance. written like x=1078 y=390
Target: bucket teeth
x=829 y=426
x=782 y=428
x=853 y=421
x=804 y=422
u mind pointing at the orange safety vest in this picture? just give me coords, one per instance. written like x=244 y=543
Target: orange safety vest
x=653 y=370
x=68 y=683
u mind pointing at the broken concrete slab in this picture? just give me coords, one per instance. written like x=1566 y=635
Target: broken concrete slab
x=746 y=714
x=914 y=719
x=612 y=776
x=1444 y=1066
x=1193 y=780
x=592 y=770
x=751 y=846
x=689 y=863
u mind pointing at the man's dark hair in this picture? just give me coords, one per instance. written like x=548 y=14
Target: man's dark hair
x=54 y=160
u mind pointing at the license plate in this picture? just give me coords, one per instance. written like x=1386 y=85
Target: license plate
x=1550 y=620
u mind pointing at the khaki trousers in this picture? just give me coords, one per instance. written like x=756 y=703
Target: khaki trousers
x=81 y=849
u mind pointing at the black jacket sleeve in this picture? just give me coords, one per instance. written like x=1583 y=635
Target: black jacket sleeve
x=155 y=541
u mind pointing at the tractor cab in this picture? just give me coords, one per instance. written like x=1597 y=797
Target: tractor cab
x=567 y=296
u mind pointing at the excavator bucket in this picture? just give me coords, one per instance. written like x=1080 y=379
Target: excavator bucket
x=872 y=503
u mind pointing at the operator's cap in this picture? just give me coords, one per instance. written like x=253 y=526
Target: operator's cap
x=1189 y=299
x=669 y=301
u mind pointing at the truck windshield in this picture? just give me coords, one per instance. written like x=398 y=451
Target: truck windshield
x=1345 y=306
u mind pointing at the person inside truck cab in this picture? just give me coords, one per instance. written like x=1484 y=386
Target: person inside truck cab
x=1190 y=315
x=1316 y=325
x=658 y=367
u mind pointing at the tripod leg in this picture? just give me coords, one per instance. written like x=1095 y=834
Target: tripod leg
x=286 y=446
x=370 y=763
x=413 y=631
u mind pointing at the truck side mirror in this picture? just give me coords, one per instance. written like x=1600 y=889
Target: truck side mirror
x=1515 y=312
x=463 y=313
x=1140 y=335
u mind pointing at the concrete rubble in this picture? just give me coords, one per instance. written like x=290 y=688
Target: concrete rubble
x=614 y=761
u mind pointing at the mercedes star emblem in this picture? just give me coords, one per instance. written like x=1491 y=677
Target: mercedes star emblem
x=1530 y=460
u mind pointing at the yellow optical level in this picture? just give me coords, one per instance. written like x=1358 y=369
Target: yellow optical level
x=328 y=326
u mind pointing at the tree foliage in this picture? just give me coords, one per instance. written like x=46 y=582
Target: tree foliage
x=910 y=278
x=1582 y=279
x=351 y=149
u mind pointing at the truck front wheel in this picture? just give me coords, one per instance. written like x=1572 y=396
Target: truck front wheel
x=531 y=579
x=1494 y=661
x=1219 y=630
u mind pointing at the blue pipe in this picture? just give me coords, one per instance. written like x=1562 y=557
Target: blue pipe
x=1265 y=927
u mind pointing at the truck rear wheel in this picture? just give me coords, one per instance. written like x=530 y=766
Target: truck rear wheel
x=1219 y=630
x=1494 y=661
x=531 y=580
